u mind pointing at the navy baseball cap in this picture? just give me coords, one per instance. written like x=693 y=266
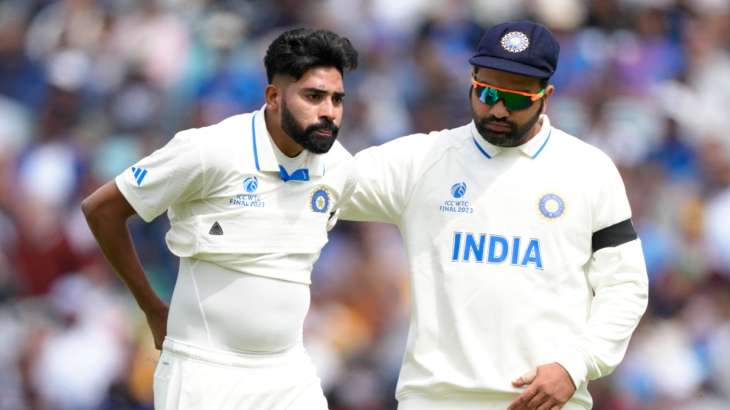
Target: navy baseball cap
x=519 y=47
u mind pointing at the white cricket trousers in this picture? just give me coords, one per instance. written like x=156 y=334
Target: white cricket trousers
x=193 y=378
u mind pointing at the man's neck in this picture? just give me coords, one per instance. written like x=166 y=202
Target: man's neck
x=283 y=141
x=534 y=131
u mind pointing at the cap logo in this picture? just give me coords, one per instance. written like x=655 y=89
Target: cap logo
x=515 y=42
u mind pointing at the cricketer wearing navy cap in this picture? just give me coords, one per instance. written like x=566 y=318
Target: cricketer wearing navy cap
x=513 y=63
x=520 y=47
x=527 y=276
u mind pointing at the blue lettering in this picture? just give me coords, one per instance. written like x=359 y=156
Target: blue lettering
x=471 y=246
x=532 y=254
x=457 y=244
x=501 y=249
x=493 y=241
x=515 y=249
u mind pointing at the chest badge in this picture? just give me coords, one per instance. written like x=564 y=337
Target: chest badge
x=458 y=190
x=250 y=184
x=551 y=206
x=457 y=204
x=248 y=199
x=320 y=200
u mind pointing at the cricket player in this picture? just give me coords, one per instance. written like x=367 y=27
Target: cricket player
x=250 y=202
x=527 y=276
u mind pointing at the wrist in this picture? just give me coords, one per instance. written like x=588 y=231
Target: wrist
x=567 y=374
x=574 y=366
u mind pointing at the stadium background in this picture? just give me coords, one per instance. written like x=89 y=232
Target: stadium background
x=87 y=87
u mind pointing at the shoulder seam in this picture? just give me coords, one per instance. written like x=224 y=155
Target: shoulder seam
x=204 y=170
x=195 y=143
x=446 y=150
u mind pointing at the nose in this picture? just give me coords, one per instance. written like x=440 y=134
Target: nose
x=327 y=109
x=499 y=110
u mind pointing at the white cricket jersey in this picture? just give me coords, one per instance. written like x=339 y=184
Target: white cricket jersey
x=519 y=257
x=234 y=208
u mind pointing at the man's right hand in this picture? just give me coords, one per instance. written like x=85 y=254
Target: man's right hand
x=157 y=321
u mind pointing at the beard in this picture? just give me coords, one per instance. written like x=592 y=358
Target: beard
x=306 y=137
x=514 y=137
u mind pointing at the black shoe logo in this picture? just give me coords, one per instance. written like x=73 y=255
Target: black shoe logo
x=216 y=229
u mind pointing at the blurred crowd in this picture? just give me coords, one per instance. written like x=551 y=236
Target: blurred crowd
x=88 y=87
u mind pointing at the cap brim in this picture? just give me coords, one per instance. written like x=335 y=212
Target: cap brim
x=508 y=66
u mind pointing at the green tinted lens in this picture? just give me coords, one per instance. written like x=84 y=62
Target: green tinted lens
x=515 y=101
x=490 y=96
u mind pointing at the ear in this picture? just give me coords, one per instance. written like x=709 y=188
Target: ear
x=548 y=92
x=272 y=96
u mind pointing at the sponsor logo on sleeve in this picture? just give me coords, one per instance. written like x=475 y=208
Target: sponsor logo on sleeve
x=139 y=174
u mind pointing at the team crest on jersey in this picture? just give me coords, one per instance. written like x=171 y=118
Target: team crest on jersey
x=551 y=206
x=320 y=200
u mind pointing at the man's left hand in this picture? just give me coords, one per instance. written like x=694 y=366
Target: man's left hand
x=549 y=388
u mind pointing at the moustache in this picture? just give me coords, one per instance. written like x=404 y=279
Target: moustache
x=495 y=121
x=323 y=126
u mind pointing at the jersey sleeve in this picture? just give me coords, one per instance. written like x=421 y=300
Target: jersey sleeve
x=383 y=175
x=347 y=189
x=617 y=276
x=172 y=174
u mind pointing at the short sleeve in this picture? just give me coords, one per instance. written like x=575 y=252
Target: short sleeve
x=171 y=175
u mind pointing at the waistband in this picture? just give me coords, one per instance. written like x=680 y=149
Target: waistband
x=466 y=402
x=293 y=355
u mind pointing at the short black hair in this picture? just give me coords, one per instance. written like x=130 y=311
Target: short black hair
x=296 y=51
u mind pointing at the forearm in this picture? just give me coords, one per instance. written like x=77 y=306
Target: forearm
x=116 y=245
x=109 y=226
x=618 y=277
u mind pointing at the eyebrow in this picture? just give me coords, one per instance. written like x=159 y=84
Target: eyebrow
x=319 y=91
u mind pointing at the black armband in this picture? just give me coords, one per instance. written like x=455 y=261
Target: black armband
x=614 y=235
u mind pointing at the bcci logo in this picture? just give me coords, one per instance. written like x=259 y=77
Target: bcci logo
x=320 y=200
x=458 y=190
x=551 y=206
x=250 y=184
x=515 y=42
